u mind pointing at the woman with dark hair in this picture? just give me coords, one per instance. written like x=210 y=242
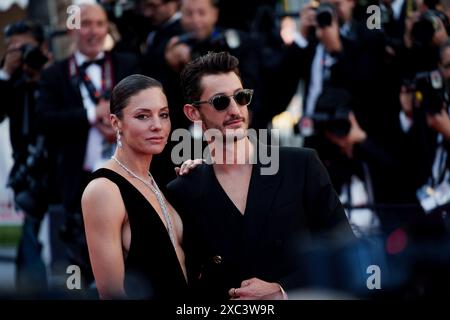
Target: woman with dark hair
x=133 y=233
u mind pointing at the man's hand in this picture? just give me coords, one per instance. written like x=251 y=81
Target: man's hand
x=409 y=23
x=188 y=166
x=102 y=111
x=356 y=135
x=257 y=289
x=177 y=54
x=440 y=36
x=440 y=122
x=307 y=19
x=107 y=131
x=13 y=58
x=287 y=30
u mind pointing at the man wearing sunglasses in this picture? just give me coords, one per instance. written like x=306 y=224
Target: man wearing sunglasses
x=243 y=229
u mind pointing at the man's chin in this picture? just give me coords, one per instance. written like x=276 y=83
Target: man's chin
x=93 y=50
x=235 y=133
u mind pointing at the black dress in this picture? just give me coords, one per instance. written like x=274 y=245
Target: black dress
x=152 y=269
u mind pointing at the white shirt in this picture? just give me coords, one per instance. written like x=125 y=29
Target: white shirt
x=397 y=6
x=4 y=75
x=93 y=158
x=316 y=81
x=321 y=60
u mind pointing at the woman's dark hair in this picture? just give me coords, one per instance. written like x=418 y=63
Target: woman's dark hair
x=211 y=63
x=127 y=88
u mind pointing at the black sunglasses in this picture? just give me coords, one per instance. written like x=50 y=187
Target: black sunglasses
x=221 y=102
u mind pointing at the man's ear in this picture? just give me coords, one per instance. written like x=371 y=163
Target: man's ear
x=191 y=112
x=216 y=15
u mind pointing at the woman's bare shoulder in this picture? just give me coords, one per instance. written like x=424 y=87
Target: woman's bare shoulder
x=102 y=196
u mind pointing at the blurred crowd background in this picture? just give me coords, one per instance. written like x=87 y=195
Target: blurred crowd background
x=368 y=89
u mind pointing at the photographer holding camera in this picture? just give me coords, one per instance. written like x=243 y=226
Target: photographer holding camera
x=199 y=35
x=426 y=124
x=345 y=116
x=424 y=114
x=199 y=22
x=26 y=56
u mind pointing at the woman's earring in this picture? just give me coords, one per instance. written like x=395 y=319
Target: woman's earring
x=119 y=139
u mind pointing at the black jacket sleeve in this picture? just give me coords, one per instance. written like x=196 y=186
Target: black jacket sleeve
x=57 y=114
x=326 y=217
x=325 y=211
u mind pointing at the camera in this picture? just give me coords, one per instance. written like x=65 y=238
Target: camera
x=29 y=180
x=428 y=24
x=33 y=56
x=324 y=15
x=331 y=114
x=223 y=40
x=429 y=91
x=115 y=9
x=188 y=39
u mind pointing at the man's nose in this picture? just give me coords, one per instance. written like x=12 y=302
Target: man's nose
x=234 y=107
x=97 y=29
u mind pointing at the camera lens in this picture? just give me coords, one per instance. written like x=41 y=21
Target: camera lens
x=324 y=15
x=33 y=57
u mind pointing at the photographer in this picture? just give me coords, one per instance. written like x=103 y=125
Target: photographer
x=199 y=22
x=426 y=124
x=342 y=64
x=200 y=34
x=426 y=30
x=21 y=67
x=164 y=17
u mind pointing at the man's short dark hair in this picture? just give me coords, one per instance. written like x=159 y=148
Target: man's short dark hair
x=25 y=27
x=162 y=1
x=214 y=3
x=210 y=64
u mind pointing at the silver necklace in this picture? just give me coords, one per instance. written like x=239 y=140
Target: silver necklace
x=154 y=187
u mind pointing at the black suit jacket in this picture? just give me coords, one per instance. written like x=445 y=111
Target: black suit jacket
x=154 y=61
x=284 y=212
x=14 y=94
x=64 y=120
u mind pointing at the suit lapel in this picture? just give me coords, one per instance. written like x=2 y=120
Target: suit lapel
x=74 y=84
x=210 y=190
x=262 y=192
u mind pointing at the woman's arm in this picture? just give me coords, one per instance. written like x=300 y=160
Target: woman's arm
x=104 y=214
